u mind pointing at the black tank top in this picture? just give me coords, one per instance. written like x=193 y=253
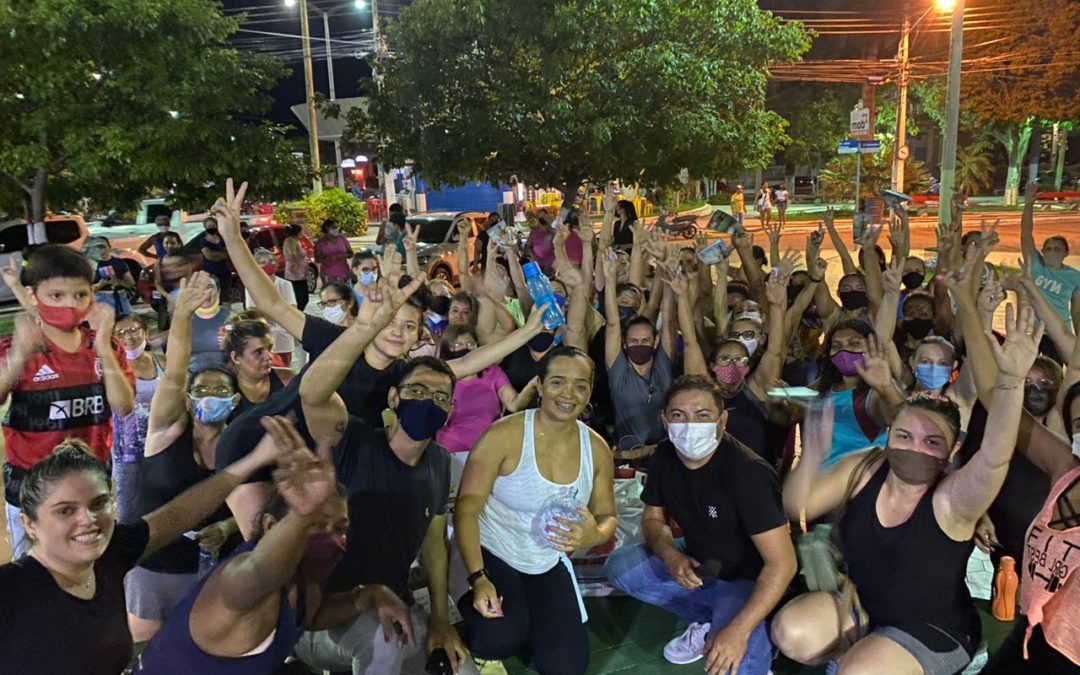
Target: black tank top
x=246 y=404
x=164 y=476
x=911 y=576
x=748 y=423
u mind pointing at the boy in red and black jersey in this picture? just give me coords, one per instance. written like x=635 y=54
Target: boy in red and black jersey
x=65 y=377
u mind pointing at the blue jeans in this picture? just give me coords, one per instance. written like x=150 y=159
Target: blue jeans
x=638 y=573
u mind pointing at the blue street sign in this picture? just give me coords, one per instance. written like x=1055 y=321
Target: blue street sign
x=869 y=147
x=848 y=147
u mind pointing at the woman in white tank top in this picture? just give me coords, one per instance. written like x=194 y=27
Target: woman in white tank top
x=516 y=522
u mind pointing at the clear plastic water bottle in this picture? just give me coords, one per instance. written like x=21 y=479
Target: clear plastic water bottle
x=540 y=290
x=562 y=504
x=207 y=560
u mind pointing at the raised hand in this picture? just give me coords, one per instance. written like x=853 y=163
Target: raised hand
x=776 y=290
x=899 y=229
x=562 y=232
x=28 y=338
x=641 y=234
x=869 y=236
x=772 y=231
x=412 y=234
x=677 y=284
x=192 y=293
x=12 y=273
x=227 y=209
x=305 y=480
x=656 y=245
x=611 y=264
x=102 y=318
x=464 y=228
x=829 y=219
x=701 y=242
x=890 y=278
x=875 y=370
x=789 y=262
x=570 y=275
x=1022 y=336
x=813 y=245
x=742 y=240
x=820 y=267
x=991 y=295
x=391 y=298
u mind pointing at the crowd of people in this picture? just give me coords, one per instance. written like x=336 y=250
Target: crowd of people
x=184 y=497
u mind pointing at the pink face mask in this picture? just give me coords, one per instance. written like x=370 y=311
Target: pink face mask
x=732 y=373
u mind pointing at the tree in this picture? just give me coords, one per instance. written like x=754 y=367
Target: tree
x=817 y=116
x=838 y=177
x=974 y=166
x=565 y=91
x=1018 y=78
x=111 y=98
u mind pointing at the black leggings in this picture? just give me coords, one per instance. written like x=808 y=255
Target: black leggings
x=1009 y=657
x=539 y=610
x=301 y=293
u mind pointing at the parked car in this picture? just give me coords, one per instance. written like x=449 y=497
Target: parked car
x=268 y=237
x=70 y=230
x=436 y=244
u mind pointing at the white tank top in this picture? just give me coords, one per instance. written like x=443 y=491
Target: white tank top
x=507 y=519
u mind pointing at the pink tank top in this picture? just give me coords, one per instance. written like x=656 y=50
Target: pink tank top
x=297 y=271
x=1050 y=586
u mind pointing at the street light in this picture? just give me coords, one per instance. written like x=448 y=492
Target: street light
x=309 y=91
x=946 y=5
x=952 y=112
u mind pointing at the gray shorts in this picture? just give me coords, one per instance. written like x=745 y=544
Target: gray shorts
x=933 y=662
x=153 y=595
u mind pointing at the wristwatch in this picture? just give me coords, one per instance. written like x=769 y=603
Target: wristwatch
x=475 y=576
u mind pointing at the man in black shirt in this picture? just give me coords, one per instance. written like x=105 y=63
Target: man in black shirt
x=737 y=559
x=398 y=481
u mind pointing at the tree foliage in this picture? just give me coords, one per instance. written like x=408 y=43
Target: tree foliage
x=111 y=98
x=570 y=90
x=817 y=116
x=838 y=177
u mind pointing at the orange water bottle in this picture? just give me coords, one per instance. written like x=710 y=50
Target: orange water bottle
x=1006 y=582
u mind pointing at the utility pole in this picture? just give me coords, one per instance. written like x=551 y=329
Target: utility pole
x=333 y=95
x=309 y=82
x=952 y=115
x=900 y=148
x=387 y=177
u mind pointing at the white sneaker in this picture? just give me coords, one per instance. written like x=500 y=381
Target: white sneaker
x=688 y=647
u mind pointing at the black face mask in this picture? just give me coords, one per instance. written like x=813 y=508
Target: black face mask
x=918 y=328
x=625 y=314
x=1038 y=401
x=541 y=342
x=912 y=280
x=852 y=300
x=451 y=354
x=212 y=231
x=440 y=304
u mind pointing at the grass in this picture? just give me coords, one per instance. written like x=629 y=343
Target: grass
x=7 y=325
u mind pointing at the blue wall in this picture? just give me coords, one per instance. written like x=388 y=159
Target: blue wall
x=469 y=197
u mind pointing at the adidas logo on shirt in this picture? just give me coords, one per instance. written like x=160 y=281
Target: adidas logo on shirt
x=45 y=373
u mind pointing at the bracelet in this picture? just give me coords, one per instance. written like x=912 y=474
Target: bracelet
x=1006 y=387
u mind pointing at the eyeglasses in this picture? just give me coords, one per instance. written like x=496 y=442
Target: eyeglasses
x=419 y=392
x=744 y=334
x=330 y=303
x=223 y=391
x=724 y=360
x=134 y=331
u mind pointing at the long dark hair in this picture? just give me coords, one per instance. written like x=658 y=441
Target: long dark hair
x=830 y=376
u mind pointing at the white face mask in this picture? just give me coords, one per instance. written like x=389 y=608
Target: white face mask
x=334 y=314
x=425 y=349
x=1076 y=444
x=694 y=440
x=751 y=344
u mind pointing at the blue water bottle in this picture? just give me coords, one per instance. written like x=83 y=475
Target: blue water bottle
x=207 y=561
x=540 y=290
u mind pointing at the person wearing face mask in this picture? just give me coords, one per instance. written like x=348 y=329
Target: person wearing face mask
x=248 y=346
x=154 y=245
x=932 y=363
x=735 y=560
x=904 y=516
x=366 y=381
x=338 y=304
x=856 y=378
x=398 y=482
x=638 y=371
x=62 y=368
x=914 y=273
x=365 y=269
x=181 y=438
x=1059 y=283
x=744 y=386
x=284 y=344
x=332 y=253
x=249 y=613
x=537 y=487
x=852 y=293
x=113 y=278
x=215 y=258
x=208 y=326
x=129 y=431
x=916 y=323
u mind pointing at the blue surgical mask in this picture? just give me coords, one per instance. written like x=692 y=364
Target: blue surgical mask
x=367 y=278
x=625 y=314
x=212 y=409
x=420 y=418
x=932 y=376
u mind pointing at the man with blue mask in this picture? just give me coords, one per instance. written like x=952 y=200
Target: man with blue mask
x=398 y=482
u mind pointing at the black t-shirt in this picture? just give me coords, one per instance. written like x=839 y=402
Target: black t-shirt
x=46 y=630
x=520 y=367
x=364 y=391
x=391 y=505
x=719 y=506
